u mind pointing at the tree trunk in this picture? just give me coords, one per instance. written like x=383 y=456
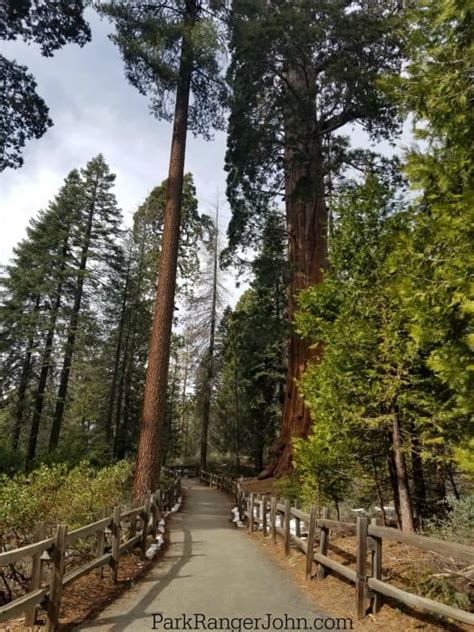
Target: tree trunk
x=394 y=483
x=306 y=218
x=42 y=383
x=118 y=352
x=72 y=332
x=23 y=385
x=184 y=412
x=378 y=487
x=46 y=361
x=406 y=512
x=210 y=354
x=418 y=477
x=154 y=399
x=119 y=421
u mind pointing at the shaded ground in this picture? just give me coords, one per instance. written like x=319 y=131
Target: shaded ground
x=90 y=594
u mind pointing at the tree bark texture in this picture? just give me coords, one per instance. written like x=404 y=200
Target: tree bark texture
x=307 y=222
x=152 y=430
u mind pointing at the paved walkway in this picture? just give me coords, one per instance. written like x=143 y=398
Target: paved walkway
x=210 y=568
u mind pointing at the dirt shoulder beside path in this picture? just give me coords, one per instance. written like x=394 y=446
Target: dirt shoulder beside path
x=336 y=596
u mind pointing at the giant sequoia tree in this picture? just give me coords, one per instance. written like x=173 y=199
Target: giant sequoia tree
x=23 y=113
x=170 y=49
x=300 y=72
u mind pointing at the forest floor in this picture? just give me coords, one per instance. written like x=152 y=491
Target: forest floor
x=90 y=594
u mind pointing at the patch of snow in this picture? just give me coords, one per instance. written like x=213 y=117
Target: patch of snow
x=154 y=548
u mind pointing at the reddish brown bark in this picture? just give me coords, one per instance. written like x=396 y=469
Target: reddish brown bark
x=152 y=430
x=306 y=218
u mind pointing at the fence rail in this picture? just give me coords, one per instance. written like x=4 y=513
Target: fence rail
x=52 y=552
x=275 y=517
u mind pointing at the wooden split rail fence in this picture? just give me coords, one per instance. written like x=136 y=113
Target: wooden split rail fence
x=274 y=517
x=46 y=587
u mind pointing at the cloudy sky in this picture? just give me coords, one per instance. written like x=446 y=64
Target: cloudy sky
x=95 y=109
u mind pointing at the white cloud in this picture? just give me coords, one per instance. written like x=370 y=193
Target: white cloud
x=95 y=110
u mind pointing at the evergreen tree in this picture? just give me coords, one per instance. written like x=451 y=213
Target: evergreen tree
x=251 y=354
x=34 y=287
x=96 y=233
x=23 y=113
x=168 y=48
x=300 y=72
x=132 y=308
x=65 y=212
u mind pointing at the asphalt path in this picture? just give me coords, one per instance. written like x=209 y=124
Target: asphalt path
x=212 y=577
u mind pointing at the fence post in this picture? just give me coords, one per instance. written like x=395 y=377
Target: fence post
x=132 y=531
x=154 y=514
x=114 y=562
x=361 y=566
x=238 y=499
x=376 y=598
x=251 y=516
x=145 y=520
x=298 y=521
x=287 y=525
x=56 y=578
x=323 y=543
x=310 y=542
x=100 y=542
x=36 y=572
x=273 y=504
x=264 y=514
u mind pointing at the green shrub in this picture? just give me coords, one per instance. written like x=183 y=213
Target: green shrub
x=57 y=494
x=458 y=524
x=10 y=461
x=288 y=487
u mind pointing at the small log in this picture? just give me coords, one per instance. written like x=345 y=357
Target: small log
x=273 y=504
x=361 y=566
x=287 y=526
x=114 y=562
x=376 y=554
x=264 y=515
x=323 y=543
x=310 y=544
x=145 y=519
x=298 y=521
x=36 y=573
x=100 y=541
x=56 y=578
x=251 y=515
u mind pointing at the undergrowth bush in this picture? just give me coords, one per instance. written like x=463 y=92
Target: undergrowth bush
x=458 y=523
x=58 y=494
x=288 y=486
